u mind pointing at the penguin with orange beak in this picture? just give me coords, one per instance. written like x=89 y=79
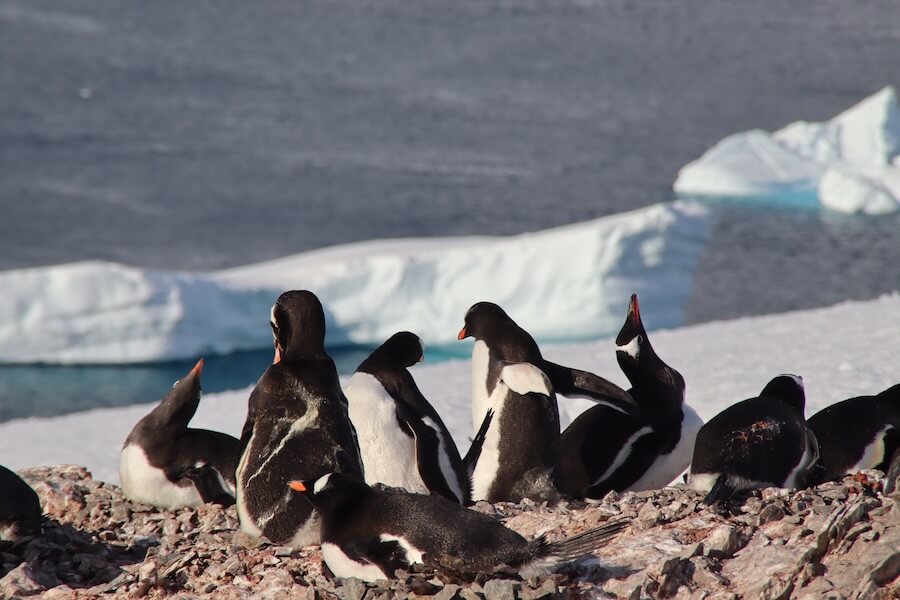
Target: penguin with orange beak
x=165 y=463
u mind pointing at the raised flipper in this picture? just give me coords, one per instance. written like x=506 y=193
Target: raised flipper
x=470 y=460
x=574 y=382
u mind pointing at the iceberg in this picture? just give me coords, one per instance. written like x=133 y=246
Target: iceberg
x=850 y=163
x=570 y=282
x=722 y=363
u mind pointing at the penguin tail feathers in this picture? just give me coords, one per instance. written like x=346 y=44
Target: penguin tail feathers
x=721 y=490
x=471 y=457
x=547 y=556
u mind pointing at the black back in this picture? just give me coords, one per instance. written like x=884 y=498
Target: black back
x=354 y=516
x=175 y=448
x=593 y=440
x=302 y=388
x=19 y=504
x=845 y=428
x=760 y=439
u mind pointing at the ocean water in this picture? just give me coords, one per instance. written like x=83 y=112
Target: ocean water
x=219 y=133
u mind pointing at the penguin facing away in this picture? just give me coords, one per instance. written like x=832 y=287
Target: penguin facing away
x=20 y=508
x=604 y=449
x=167 y=464
x=297 y=427
x=856 y=434
x=755 y=443
x=402 y=439
x=369 y=534
x=525 y=428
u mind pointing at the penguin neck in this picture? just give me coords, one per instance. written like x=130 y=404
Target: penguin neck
x=304 y=346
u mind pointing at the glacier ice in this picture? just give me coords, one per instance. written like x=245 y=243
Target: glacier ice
x=850 y=163
x=562 y=283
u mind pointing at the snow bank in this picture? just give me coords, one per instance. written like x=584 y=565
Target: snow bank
x=568 y=282
x=849 y=164
x=841 y=351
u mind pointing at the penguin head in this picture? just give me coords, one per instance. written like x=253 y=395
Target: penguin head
x=298 y=325
x=632 y=344
x=403 y=349
x=180 y=403
x=332 y=492
x=787 y=388
x=483 y=320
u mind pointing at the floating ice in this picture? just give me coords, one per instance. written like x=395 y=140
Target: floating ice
x=568 y=282
x=841 y=351
x=849 y=164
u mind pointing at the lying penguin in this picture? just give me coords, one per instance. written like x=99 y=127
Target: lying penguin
x=605 y=449
x=756 y=443
x=297 y=426
x=369 y=534
x=167 y=464
x=525 y=428
x=402 y=439
x=856 y=434
x=20 y=508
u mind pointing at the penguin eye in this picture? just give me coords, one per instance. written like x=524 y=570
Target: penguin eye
x=640 y=340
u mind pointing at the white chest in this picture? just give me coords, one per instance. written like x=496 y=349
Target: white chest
x=480 y=400
x=873 y=454
x=142 y=482
x=489 y=462
x=388 y=454
x=667 y=467
x=344 y=566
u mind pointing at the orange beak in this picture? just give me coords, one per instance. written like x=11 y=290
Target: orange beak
x=463 y=334
x=634 y=307
x=277 y=355
x=198 y=368
x=297 y=486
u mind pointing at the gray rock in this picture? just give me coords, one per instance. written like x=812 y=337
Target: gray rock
x=352 y=589
x=500 y=589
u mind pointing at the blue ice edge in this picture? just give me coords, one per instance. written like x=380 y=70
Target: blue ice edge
x=128 y=333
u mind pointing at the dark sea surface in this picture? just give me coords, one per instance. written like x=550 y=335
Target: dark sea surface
x=205 y=134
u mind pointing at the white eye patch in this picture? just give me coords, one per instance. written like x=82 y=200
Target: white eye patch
x=321 y=483
x=632 y=348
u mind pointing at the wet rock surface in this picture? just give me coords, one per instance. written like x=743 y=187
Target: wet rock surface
x=840 y=540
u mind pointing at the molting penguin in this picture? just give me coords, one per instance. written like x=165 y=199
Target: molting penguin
x=760 y=442
x=856 y=434
x=297 y=426
x=526 y=420
x=402 y=439
x=20 y=508
x=369 y=534
x=604 y=449
x=167 y=464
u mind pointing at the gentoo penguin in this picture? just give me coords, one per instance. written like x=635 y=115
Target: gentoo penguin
x=760 y=442
x=402 y=439
x=297 y=427
x=525 y=428
x=369 y=534
x=167 y=464
x=856 y=434
x=20 y=508
x=604 y=449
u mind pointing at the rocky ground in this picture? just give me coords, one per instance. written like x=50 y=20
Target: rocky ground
x=840 y=540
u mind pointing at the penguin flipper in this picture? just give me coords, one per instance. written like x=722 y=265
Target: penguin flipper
x=470 y=460
x=206 y=482
x=428 y=450
x=720 y=491
x=575 y=382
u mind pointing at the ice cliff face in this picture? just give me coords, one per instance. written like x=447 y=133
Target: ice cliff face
x=568 y=282
x=850 y=163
